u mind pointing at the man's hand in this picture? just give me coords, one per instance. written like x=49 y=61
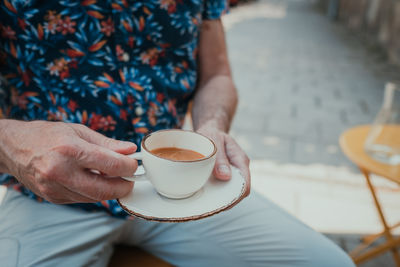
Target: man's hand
x=55 y=160
x=228 y=152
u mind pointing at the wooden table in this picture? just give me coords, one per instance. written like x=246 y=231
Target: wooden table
x=352 y=143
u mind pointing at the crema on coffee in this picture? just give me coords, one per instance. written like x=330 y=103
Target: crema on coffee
x=175 y=153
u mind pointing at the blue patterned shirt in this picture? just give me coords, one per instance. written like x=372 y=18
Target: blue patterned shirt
x=123 y=68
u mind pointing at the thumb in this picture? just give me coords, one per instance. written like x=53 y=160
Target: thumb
x=222 y=169
x=122 y=147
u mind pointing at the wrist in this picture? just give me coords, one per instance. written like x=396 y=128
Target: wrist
x=215 y=117
x=212 y=124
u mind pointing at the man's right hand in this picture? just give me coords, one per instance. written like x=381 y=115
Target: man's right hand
x=55 y=160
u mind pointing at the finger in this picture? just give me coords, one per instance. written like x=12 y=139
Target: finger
x=74 y=197
x=99 y=188
x=59 y=194
x=106 y=161
x=222 y=169
x=94 y=137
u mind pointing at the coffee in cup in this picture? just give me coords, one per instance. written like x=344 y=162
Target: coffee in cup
x=178 y=163
x=177 y=154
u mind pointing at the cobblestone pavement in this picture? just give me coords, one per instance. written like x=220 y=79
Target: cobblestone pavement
x=302 y=81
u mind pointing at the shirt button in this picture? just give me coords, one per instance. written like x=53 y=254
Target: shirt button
x=139 y=111
x=125 y=57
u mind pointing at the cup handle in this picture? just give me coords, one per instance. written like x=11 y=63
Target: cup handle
x=137 y=177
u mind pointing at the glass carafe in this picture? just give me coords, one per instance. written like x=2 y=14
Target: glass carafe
x=383 y=141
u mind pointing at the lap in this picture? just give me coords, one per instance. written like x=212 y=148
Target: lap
x=254 y=233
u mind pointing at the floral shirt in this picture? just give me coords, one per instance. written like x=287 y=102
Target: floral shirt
x=122 y=67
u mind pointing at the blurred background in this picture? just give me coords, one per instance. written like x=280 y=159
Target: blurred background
x=306 y=71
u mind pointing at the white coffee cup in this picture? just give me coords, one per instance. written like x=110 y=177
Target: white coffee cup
x=171 y=178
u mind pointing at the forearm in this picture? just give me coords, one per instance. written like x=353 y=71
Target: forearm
x=215 y=103
x=216 y=98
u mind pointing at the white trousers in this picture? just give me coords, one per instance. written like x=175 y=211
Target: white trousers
x=254 y=233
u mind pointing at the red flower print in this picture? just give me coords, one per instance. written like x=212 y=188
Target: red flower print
x=73 y=64
x=21 y=99
x=54 y=116
x=131 y=41
x=121 y=54
x=127 y=26
x=60 y=63
x=7 y=32
x=150 y=56
x=54 y=20
x=26 y=77
x=64 y=74
x=107 y=27
x=195 y=21
x=66 y=26
x=72 y=105
x=74 y=53
x=52 y=16
x=88 y=2
x=98 y=122
x=22 y=23
x=58 y=66
x=171 y=9
x=160 y=97
x=169 y=5
x=178 y=70
x=152 y=117
x=51 y=27
x=123 y=114
x=119 y=50
x=172 y=107
x=130 y=100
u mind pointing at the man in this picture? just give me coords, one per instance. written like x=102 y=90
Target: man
x=123 y=69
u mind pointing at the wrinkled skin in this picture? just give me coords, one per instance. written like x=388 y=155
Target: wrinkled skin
x=55 y=160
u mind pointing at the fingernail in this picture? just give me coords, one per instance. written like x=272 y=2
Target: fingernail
x=126 y=143
x=223 y=169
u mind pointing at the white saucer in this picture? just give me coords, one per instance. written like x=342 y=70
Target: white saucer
x=214 y=197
